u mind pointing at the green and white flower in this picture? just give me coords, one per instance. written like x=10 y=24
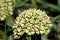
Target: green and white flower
x=32 y=21
x=5 y=9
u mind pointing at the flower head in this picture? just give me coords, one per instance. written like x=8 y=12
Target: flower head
x=5 y=9
x=32 y=21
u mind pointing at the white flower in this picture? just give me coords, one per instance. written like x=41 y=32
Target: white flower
x=33 y=21
x=5 y=9
x=16 y=36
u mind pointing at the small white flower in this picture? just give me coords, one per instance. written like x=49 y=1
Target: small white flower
x=41 y=32
x=29 y=33
x=15 y=26
x=26 y=31
x=16 y=36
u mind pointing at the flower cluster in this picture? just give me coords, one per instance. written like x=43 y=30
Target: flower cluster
x=5 y=8
x=32 y=21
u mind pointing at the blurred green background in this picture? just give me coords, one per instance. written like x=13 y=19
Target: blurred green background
x=52 y=7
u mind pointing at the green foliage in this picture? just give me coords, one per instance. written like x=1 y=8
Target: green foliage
x=9 y=21
x=10 y=37
x=19 y=6
x=44 y=37
x=1 y=34
x=28 y=37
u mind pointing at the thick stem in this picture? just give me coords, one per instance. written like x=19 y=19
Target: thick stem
x=44 y=37
x=5 y=32
x=34 y=4
x=28 y=37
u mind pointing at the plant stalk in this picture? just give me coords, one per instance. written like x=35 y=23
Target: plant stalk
x=44 y=37
x=28 y=37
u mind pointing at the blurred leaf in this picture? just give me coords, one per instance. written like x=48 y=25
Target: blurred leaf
x=34 y=3
x=52 y=19
x=1 y=34
x=57 y=18
x=9 y=21
x=51 y=6
x=28 y=5
x=54 y=24
x=19 y=3
x=10 y=37
x=44 y=37
x=28 y=37
x=54 y=27
x=58 y=3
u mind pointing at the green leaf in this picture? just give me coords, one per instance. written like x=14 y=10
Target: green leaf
x=9 y=21
x=44 y=37
x=54 y=27
x=52 y=19
x=58 y=3
x=10 y=37
x=51 y=6
x=1 y=34
x=34 y=3
x=57 y=18
x=28 y=37
x=19 y=3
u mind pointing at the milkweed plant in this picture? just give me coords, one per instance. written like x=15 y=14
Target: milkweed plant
x=5 y=9
x=31 y=21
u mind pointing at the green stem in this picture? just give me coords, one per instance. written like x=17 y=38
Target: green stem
x=34 y=4
x=28 y=37
x=5 y=33
x=35 y=37
x=44 y=37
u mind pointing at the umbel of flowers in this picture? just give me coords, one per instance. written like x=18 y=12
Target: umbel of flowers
x=5 y=9
x=32 y=21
